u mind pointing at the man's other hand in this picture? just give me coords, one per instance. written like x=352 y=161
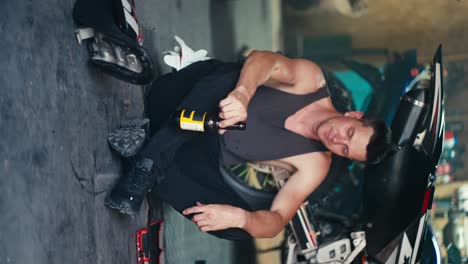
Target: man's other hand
x=213 y=217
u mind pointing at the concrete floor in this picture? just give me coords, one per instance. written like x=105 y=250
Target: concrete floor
x=56 y=111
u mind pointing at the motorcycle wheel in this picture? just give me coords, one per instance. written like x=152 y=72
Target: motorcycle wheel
x=252 y=176
x=256 y=189
x=145 y=76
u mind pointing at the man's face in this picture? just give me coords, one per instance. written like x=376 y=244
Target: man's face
x=345 y=136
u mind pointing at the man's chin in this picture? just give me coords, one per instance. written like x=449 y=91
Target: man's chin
x=321 y=132
x=323 y=140
x=321 y=136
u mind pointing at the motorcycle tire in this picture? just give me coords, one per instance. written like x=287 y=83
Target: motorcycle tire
x=124 y=74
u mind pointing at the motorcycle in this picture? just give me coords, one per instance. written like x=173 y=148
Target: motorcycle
x=388 y=222
x=114 y=39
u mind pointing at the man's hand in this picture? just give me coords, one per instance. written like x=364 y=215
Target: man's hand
x=233 y=108
x=212 y=217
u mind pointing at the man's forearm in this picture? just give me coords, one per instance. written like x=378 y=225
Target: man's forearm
x=257 y=69
x=263 y=224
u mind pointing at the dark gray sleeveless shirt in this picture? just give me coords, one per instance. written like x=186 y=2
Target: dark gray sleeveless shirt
x=266 y=138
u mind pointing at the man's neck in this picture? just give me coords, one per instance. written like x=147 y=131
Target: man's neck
x=306 y=121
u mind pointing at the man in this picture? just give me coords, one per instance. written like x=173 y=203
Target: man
x=290 y=120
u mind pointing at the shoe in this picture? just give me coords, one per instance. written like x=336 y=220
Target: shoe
x=130 y=137
x=128 y=194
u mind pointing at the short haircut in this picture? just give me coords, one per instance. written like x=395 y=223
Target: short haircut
x=380 y=142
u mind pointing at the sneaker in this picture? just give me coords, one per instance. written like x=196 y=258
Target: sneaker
x=128 y=194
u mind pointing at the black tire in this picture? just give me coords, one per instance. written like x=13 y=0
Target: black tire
x=124 y=74
x=258 y=199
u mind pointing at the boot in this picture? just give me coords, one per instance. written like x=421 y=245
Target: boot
x=130 y=137
x=130 y=191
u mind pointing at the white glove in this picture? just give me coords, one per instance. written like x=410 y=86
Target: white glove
x=183 y=55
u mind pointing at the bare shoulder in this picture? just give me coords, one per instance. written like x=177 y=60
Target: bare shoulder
x=305 y=68
x=309 y=76
x=294 y=75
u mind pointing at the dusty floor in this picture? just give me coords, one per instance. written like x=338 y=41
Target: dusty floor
x=56 y=111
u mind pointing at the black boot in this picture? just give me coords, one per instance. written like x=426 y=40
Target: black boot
x=130 y=191
x=130 y=137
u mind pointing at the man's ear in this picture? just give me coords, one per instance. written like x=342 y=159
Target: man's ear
x=354 y=114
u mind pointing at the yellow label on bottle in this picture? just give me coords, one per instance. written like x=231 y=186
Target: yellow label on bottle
x=192 y=121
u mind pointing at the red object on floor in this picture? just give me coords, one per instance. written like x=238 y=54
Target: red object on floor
x=149 y=243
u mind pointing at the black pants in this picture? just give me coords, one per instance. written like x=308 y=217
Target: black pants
x=185 y=162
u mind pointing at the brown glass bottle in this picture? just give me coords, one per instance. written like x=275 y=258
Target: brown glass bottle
x=202 y=121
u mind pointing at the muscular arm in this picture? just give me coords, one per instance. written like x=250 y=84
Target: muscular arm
x=297 y=76
x=300 y=75
x=312 y=170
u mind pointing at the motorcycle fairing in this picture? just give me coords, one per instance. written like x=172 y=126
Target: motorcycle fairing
x=393 y=201
x=124 y=12
x=435 y=125
x=428 y=199
x=95 y=14
x=395 y=197
x=404 y=249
